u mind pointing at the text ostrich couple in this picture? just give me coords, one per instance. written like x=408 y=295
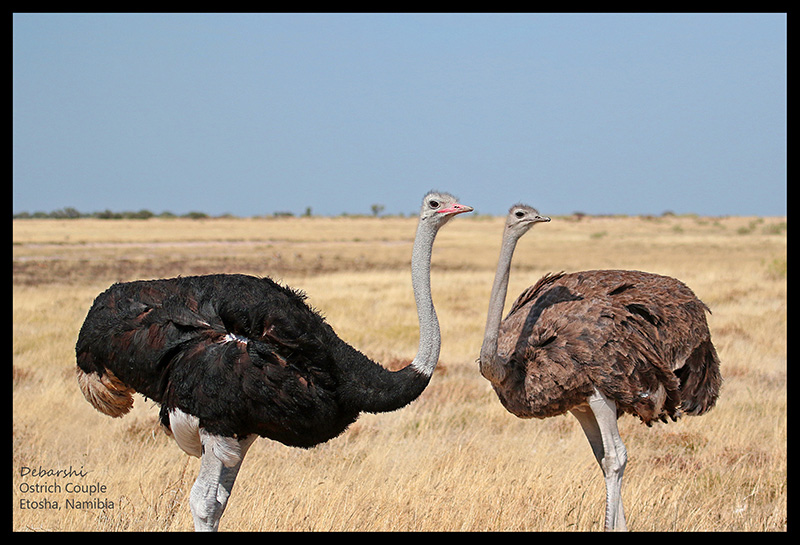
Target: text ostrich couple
x=233 y=357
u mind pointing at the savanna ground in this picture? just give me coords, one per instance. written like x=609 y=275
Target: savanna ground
x=454 y=459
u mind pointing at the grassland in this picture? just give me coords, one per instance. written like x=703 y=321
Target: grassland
x=454 y=459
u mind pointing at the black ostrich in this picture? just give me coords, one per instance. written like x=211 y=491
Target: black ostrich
x=233 y=357
x=598 y=344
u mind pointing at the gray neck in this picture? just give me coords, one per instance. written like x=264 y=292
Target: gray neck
x=368 y=386
x=429 y=334
x=491 y=366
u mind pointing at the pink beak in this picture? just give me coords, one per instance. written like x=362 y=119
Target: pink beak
x=454 y=209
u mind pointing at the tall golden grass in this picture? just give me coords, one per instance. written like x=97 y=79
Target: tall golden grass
x=452 y=460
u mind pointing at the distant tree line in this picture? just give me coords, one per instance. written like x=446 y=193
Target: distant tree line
x=375 y=209
x=72 y=213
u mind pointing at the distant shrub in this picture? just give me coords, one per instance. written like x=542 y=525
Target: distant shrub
x=776 y=269
x=775 y=228
x=195 y=215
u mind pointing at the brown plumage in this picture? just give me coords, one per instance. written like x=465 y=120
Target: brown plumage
x=640 y=338
x=598 y=344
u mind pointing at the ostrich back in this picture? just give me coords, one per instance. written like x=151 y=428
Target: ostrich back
x=641 y=338
x=243 y=354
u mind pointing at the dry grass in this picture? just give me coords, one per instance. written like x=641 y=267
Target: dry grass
x=452 y=460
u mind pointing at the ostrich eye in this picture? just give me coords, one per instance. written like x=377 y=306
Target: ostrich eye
x=433 y=204
x=519 y=213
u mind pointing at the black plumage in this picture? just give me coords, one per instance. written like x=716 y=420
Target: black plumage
x=243 y=354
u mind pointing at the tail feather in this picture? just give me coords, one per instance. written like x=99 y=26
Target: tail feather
x=700 y=380
x=106 y=392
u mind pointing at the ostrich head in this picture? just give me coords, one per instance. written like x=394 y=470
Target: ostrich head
x=438 y=208
x=521 y=217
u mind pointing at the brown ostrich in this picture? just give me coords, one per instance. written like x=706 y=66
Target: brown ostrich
x=598 y=344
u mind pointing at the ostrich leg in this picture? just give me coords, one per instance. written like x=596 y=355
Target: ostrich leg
x=599 y=423
x=222 y=457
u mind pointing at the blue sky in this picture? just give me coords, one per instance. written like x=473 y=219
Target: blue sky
x=250 y=114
